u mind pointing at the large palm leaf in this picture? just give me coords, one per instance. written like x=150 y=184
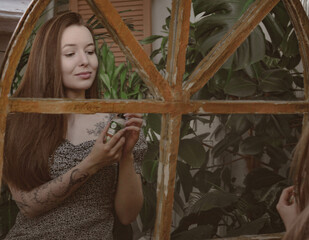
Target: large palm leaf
x=217 y=19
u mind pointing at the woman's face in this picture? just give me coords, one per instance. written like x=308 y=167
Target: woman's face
x=79 y=61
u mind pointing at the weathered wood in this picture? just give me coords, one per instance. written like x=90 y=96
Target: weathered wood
x=300 y=22
x=169 y=142
x=272 y=236
x=177 y=44
x=228 y=45
x=148 y=106
x=122 y=35
x=11 y=59
x=173 y=107
x=250 y=107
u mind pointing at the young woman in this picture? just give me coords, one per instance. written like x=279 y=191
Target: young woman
x=66 y=179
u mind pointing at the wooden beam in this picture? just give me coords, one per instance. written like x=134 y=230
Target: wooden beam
x=228 y=45
x=300 y=22
x=270 y=236
x=177 y=44
x=54 y=106
x=122 y=35
x=169 y=141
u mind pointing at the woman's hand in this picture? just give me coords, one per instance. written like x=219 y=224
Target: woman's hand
x=133 y=127
x=287 y=207
x=106 y=153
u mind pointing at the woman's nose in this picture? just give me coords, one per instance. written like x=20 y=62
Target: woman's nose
x=84 y=61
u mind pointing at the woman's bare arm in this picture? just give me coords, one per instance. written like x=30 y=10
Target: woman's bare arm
x=129 y=195
x=49 y=195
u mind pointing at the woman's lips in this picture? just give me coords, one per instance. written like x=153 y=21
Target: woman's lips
x=84 y=75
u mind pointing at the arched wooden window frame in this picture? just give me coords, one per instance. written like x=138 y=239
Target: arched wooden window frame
x=172 y=96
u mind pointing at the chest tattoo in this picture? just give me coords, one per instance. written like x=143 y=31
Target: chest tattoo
x=97 y=129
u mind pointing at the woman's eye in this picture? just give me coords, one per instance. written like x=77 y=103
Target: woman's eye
x=69 y=54
x=90 y=52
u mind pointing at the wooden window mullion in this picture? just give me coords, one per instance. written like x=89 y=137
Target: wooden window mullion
x=169 y=143
x=177 y=45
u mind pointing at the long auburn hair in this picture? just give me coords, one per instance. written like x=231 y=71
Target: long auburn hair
x=300 y=177
x=300 y=168
x=32 y=138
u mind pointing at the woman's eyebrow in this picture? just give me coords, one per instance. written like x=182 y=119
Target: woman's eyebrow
x=73 y=45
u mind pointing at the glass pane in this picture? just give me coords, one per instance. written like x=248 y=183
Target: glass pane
x=267 y=66
x=230 y=173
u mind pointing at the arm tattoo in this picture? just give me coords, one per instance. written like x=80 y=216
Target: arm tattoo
x=77 y=177
x=22 y=206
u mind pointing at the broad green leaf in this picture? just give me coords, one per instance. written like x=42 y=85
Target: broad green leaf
x=148 y=212
x=106 y=80
x=274 y=29
x=219 y=17
x=261 y=177
x=240 y=86
x=107 y=95
x=211 y=200
x=276 y=81
x=154 y=122
x=104 y=52
x=123 y=95
x=271 y=195
x=197 y=233
x=253 y=227
x=192 y=152
x=252 y=145
x=110 y=63
x=186 y=180
x=224 y=144
x=205 y=180
x=178 y=205
x=289 y=44
x=282 y=125
x=150 y=170
x=299 y=81
x=131 y=79
x=114 y=93
x=117 y=71
x=152 y=151
x=123 y=77
x=238 y=123
x=150 y=39
x=277 y=154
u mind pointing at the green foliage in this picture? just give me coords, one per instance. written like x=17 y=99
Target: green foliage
x=8 y=211
x=208 y=198
x=118 y=82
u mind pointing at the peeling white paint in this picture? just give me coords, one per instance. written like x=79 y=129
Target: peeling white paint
x=166 y=177
x=201 y=110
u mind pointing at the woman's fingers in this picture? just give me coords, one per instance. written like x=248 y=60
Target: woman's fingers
x=135 y=121
x=101 y=137
x=113 y=141
x=133 y=128
x=286 y=195
x=119 y=145
x=131 y=115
